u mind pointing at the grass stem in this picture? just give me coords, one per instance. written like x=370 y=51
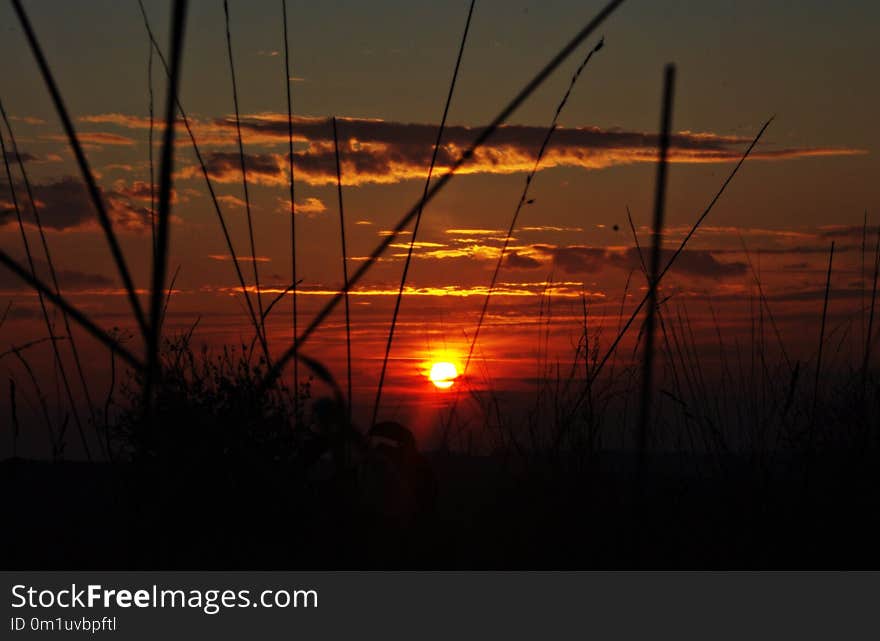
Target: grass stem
x=415 y=231
x=344 y=268
x=653 y=275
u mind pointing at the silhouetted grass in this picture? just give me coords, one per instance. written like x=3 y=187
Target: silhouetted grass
x=466 y=156
x=645 y=409
x=82 y=162
x=245 y=473
x=50 y=263
x=344 y=268
x=55 y=440
x=523 y=200
x=293 y=278
x=151 y=109
x=166 y=171
x=623 y=331
x=206 y=409
x=59 y=363
x=870 y=330
x=255 y=320
x=822 y=331
x=13 y=416
x=244 y=180
x=418 y=220
x=78 y=317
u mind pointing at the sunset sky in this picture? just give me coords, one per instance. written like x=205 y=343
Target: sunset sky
x=383 y=68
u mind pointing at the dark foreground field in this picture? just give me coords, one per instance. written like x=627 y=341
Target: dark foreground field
x=446 y=512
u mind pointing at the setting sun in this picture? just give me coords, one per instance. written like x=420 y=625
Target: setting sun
x=443 y=375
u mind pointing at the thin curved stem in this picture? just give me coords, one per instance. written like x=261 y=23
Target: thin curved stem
x=415 y=231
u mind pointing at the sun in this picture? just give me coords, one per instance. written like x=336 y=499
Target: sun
x=443 y=374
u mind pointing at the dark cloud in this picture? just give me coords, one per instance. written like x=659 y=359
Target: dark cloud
x=65 y=204
x=266 y=169
x=380 y=151
x=32 y=158
x=94 y=139
x=693 y=262
x=587 y=260
x=847 y=231
x=142 y=191
x=25 y=157
x=815 y=295
x=68 y=279
x=805 y=250
x=521 y=261
x=577 y=260
x=22 y=312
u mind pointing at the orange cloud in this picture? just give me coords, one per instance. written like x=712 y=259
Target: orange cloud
x=28 y=120
x=97 y=138
x=309 y=207
x=227 y=257
x=232 y=201
x=65 y=204
x=563 y=289
x=376 y=151
x=141 y=190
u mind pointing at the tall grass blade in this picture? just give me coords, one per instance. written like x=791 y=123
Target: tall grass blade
x=81 y=319
x=88 y=176
x=862 y=274
x=166 y=171
x=216 y=204
x=49 y=262
x=150 y=145
x=487 y=133
x=766 y=304
x=293 y=279
x=520 y=204
x=45 y=313
x=822 y=337
x=870 y=330
x=164 y=314
x=524 y=198
x=13 y=410
x=653 y=275
x=54 y=439
x=244 y=180
x=611 y=349
x=415 y=230
x=344 y=266
x=5 y=313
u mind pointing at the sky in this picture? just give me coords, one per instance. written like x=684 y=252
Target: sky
x=383 y=69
